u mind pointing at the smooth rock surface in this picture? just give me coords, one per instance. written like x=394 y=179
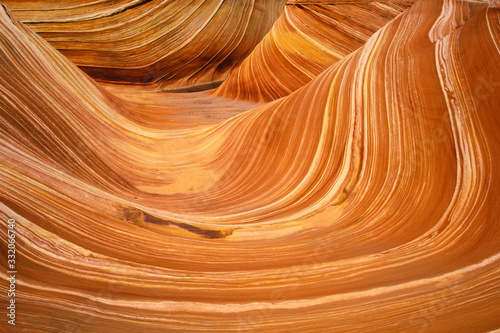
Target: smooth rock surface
x=365 y=200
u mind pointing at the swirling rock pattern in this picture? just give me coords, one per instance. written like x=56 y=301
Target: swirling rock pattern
x=175 y=45
x=308 y=37
x=365 y=200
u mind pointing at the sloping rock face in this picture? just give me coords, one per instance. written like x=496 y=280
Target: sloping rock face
x=308 y=37
x=175 y=45
x=363 y=197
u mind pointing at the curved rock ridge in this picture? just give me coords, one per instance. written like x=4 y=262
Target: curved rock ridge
x=365 y=200
x=307 y=38
x=174 y=45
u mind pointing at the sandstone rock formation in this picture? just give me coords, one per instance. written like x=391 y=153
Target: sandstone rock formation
x=362 y=197
x=172 y=44
x=308 y=37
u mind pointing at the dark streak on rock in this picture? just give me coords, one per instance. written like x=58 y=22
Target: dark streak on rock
x=119 y=11
x=138 y=217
